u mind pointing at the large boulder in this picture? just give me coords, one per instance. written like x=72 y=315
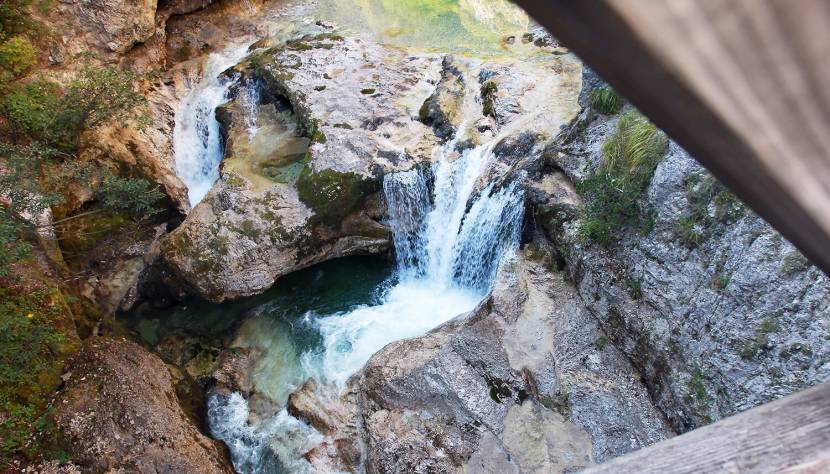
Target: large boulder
x=119 y=412
x=271 y=214
x=518 y=385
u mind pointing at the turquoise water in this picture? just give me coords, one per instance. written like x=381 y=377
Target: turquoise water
x=330 y=287
x=446 y=26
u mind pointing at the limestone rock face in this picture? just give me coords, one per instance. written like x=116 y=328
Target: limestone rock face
x=147 y=151
x=255 y=226
x=714 y=308
x=119 y=412
x=442 y=109
x=518 y=385
x=358 y=101
x=113 y=25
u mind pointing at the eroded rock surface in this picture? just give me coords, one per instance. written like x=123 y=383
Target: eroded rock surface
x=119 y=412
x=518 y=385
x=359 y=106
x=714 y=308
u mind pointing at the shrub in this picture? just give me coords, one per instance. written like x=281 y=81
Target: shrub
x=606 y=101
x=612 y=191
x=634 y=288
x=720 y=280
x=30 y=364
x=688 y=233
x=488 y=96
x=761 y=340
x=16 y=56
x=30 y=109
x=15 y=18
x=93 y=98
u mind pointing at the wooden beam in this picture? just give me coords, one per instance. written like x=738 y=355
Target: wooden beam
x=788 y=435
x=743 y=85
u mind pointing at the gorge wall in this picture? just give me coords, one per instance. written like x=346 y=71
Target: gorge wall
x=592 y=342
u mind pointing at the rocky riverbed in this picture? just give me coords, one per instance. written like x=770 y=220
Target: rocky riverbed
x=339 y=138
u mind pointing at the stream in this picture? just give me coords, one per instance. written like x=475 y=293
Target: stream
x=451 y=228
x=449 y=238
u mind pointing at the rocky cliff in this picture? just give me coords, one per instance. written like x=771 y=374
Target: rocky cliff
x=713 y=307
x=119 y=411
x=691 y=310
x=518 y=385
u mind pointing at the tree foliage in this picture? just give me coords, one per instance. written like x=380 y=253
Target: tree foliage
x=16 y=56
x=42 y=127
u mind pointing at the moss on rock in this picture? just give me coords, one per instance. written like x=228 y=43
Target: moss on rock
x=332 y=195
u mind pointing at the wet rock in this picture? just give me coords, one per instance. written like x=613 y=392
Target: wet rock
x=518 y=385
x=306 y=405
x=119 y=411
x=235 y=370
x=442 y=110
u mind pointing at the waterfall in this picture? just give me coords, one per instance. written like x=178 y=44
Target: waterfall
x=197 y=141
x=450 y=236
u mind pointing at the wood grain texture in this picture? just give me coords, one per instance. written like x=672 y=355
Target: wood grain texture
x=788 y=435
x=743 y=85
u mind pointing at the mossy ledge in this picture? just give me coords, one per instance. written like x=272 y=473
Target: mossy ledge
x=331 y=194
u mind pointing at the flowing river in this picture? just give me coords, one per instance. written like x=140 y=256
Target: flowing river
x=450 y=237
x=451 y=228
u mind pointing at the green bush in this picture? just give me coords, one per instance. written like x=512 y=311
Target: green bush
x=42 y=126
x=16 y=56
x=612 y=191
x=30 y=108
x=30 y=365
x=688 y=233
x=606 y=101
x=15 y=18
x=488 y=97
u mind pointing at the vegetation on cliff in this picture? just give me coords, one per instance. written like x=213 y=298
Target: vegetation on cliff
x=42 y=125
x=46 y=186
x=33 y=347
x=612 y=191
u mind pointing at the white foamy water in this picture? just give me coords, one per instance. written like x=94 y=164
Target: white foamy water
x=450 y=238
x=197 y=141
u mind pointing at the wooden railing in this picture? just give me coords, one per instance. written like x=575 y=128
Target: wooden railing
x=744 y=86
x=790 y=435
x=741 y=84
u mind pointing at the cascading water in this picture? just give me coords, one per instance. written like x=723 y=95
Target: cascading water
x=197 y=141
x=449 y=244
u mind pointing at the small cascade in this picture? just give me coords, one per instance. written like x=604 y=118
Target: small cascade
x=249 y=95
x=252 y=446
x=408 y=202
x=197 y=141
x=450 y=238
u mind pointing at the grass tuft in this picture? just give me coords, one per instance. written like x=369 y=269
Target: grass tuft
x=612 y=191
x=606 y=101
